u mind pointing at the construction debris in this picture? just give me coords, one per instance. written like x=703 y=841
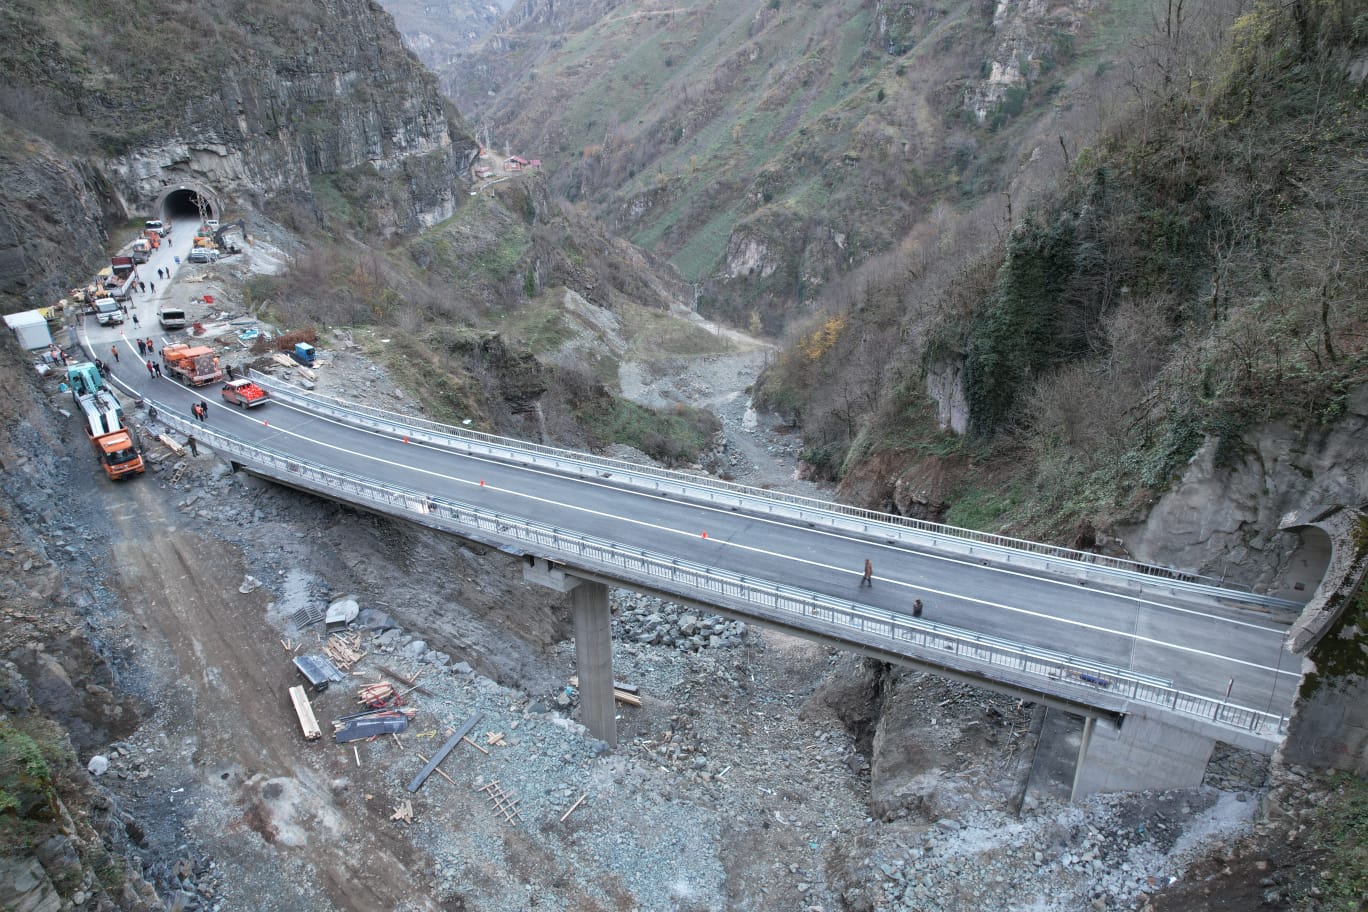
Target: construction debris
x=623 y=693
x=495 y=739
x=474 y=745
x=405 y=680
x=403 y=811
x=578 y=802
x=446 y=748
x=380 y=695
x=307 y=720
x=371 y=724
x=504 y=802
x=171 y=444
x=318 y=670
x=344 y=650
x=437 y=771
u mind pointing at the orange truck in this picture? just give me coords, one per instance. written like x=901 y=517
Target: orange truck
x=104 y=424
x=193 y=365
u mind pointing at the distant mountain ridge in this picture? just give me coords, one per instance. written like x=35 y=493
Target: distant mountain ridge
x=766 y=150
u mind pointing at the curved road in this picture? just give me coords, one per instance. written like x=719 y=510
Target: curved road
x=1200 y=652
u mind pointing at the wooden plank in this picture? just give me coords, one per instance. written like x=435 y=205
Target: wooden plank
x=438 y=757
x=171 y=445
x=307 y=720
x=617 y=685
x=623 y=696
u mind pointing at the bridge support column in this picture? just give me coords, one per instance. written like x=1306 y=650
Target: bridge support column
x=1138 y=753
x=594 y=660
x=593 y=619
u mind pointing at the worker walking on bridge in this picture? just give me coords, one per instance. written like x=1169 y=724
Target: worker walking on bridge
x=868 y=578
x=115 y=350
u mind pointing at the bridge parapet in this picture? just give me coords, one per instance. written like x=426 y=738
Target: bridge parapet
x=1079 y=566
x=1027 y=668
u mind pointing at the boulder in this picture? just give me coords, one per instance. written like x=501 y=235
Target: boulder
x=374 y=619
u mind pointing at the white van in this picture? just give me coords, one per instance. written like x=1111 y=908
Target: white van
x=108 y=312
x=171 y=317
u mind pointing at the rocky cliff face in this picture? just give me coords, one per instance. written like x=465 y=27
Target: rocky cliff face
x=353 y=100
x=256 y=104
x=1221 y=517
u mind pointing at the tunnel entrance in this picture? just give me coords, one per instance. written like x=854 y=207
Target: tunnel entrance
x=189 y=201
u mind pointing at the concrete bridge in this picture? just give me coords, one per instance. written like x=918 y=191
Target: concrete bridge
x=1162 y=664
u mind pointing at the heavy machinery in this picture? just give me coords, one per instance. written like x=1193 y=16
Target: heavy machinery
x=303 y=353
x=193 y=365
x=221 y=240
x=102 y=418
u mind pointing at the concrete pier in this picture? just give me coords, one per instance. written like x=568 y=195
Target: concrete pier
x=593 y=620
x=1139 y=753
x=594 y=660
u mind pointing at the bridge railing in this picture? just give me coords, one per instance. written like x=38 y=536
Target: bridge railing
x=851 y=621
x=1005 y=549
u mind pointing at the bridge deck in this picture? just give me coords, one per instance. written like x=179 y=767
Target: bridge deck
x=1146 y=630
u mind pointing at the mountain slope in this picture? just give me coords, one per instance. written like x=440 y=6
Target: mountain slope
x=767 y=150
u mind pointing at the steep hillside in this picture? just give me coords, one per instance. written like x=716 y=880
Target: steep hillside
x=104 y=112
x=436 y=32
x=767 y=149
x=1198 y=278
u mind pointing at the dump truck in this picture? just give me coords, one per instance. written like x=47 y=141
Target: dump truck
x=141 y=250
x=193 y=365
x=104 y=425
x=244 y=393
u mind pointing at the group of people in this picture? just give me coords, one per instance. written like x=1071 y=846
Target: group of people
x=200 y=410
x=867 y=579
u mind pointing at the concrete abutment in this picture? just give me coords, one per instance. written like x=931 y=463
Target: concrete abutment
x=1137 y=753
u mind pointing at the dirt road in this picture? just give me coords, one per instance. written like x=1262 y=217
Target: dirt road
x=223 y=693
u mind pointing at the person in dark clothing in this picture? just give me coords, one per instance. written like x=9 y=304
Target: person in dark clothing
x=135 y=316
x=156 y=367
x=204 y=410
x=917 y=608
x=99 y=367
x=229 y=369
x=142 y=347
x=153 y=286
x=192 y=444
x=868 y=578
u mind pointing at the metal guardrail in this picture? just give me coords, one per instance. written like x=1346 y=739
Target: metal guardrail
x=851 y=621
x=1050 y=558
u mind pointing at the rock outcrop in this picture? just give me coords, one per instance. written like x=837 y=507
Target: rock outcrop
x=320 y=110
x=1223 y=517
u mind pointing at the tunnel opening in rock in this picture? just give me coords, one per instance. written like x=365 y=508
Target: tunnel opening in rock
x=1307 y=565
x=188 y=204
